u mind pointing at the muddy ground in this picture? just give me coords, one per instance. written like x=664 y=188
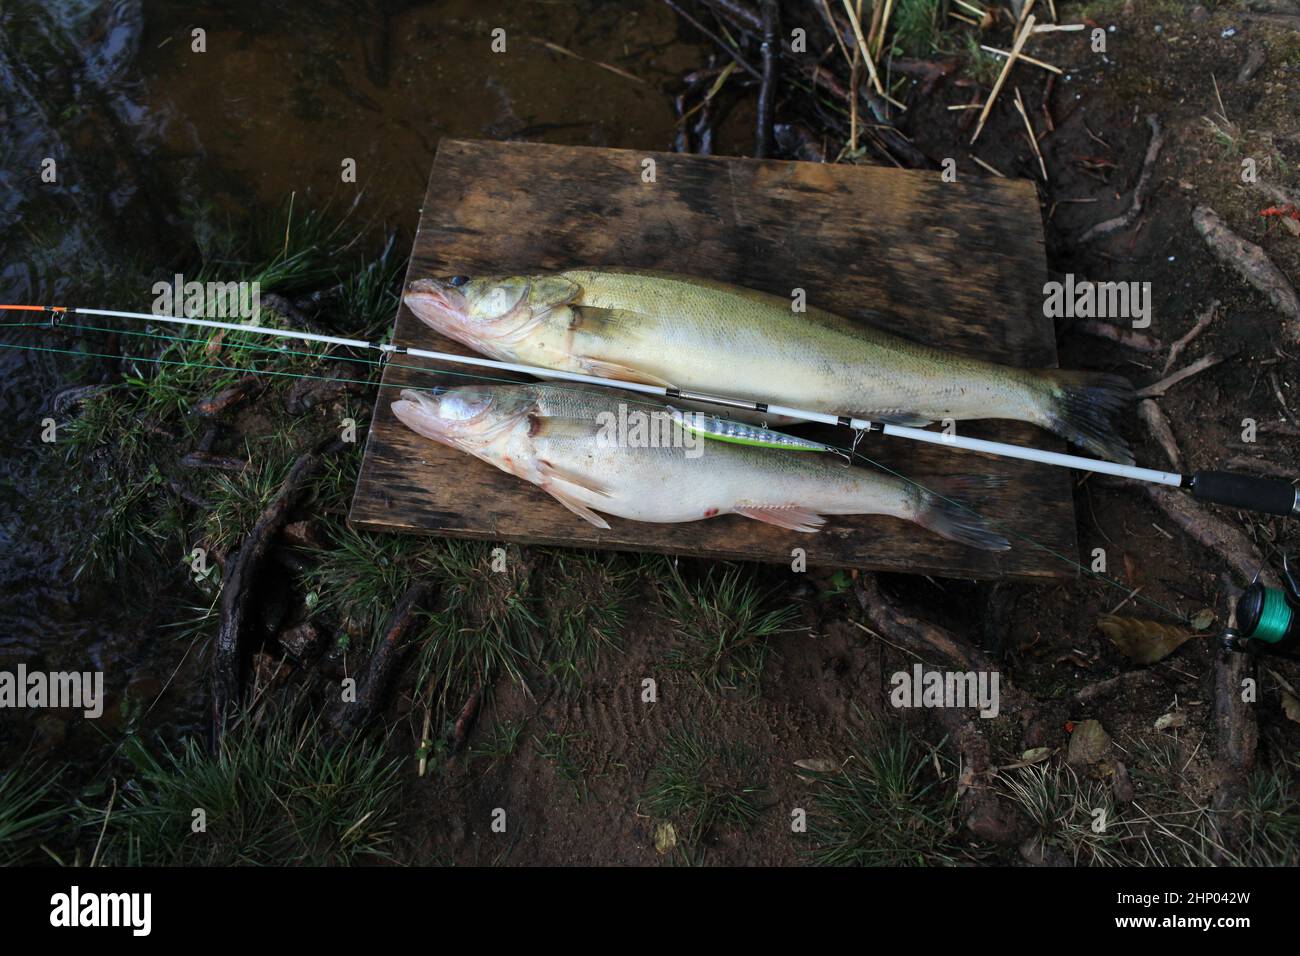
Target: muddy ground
x=826 y=688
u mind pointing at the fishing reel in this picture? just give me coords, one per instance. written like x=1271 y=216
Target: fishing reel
x=1268 y=619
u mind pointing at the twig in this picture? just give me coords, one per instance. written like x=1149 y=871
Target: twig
x=835 y=31
x=1033 y=140
x=1139 y=192
x=1202 y=323
x=1106 y=330
x=862 y=46
x=726 y=47
x=979 y=162
x=204 y=459
x=465 y=720
x=1024 y=12
x=1024 y=56
x=1006 y=71
x=767 y=89
x=108 y=814
x=1200 y=365
x=1277 y=393
x=1250 y=262
x=878 y=29
x=1158 y=425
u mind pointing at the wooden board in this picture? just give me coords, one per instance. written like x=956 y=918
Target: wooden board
x=957 y=265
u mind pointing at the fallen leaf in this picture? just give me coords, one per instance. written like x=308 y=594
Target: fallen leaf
x=1089 y=743
x=816 y=765
x=1140 y=640
x=1291 y=706
x=1203 y=619
x=1174 y=718
x=1036 y=754
x=665 y=838
x=1032 y=756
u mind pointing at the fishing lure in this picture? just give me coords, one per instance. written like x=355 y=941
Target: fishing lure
x=739 y=433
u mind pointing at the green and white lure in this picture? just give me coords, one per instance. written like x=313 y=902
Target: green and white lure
x=724 y=429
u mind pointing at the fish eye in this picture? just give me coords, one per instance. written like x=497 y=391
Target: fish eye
x=458 y=281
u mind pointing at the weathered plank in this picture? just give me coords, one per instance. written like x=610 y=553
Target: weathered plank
x=958 y=265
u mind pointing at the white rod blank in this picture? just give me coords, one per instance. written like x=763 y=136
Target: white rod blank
x=1001 y=449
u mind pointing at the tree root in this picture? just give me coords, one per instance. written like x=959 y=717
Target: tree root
x=1229 y=542
x=1236 y=731
x=1140 y=192
x=372 y=688
x=239 y=589
x=985 y=815
x=1251 y=264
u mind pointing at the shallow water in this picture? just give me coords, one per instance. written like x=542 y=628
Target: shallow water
x=154 y=142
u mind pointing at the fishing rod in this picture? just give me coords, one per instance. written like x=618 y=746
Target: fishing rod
x=1248 y=492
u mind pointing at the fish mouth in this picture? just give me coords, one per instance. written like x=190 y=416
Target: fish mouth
x=456 y=417
x=436 y=303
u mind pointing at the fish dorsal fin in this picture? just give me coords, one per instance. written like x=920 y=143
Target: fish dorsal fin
x=792 y=518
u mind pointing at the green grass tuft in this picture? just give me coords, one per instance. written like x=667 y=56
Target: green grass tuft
x=485 y=627
x=724 y=623
x=883 y=808
x=584 y=612
x=275 y=795
x=916 y=26
x=361 y=576
x=700 y=785
x=982 y=65
x=25 y=811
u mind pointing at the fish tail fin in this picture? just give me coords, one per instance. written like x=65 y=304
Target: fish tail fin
x=940 y=512
x=1079 y=408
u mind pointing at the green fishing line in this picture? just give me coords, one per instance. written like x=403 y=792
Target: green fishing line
x=1274 y=617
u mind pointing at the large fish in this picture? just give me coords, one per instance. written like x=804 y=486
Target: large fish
x=695 y=334
x=582 y=447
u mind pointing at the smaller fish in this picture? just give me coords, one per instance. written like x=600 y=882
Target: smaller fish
x=559 y=438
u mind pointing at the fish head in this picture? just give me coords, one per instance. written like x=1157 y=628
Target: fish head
x=471 y=418
x=489 y=309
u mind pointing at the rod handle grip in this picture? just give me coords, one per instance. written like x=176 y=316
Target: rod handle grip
x=1250 y=492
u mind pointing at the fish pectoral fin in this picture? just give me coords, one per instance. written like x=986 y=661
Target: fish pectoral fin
x=557 y=473
x=793 y=518
x=621 y=373
x=559 y=489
